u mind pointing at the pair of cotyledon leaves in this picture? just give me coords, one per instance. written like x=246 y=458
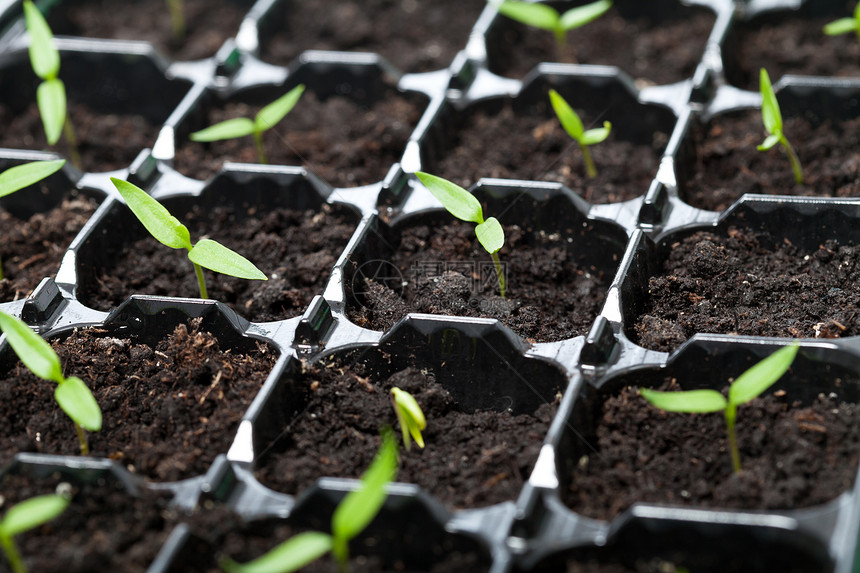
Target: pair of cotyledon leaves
x=45 y=59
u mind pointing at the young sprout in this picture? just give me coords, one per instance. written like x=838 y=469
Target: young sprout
x=21 y=176
x=350 y=518
x=51 y=93
x=747 y=386
x=265 y=119
x=548 y=18
x=772 y=119
x=410 y=416
x=72 y=395
x=465 y=207
x=24 y=516
x=845 y=25
x=168 y=231
x=177 y=19
x=573 y=126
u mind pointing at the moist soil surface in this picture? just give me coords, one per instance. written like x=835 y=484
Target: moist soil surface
x=537 y=148
x=735 y=285
x=548 y=296
x=295 y=249
x=167 y=411
x=414 y=35
x=344 y=143
x=651 y=51
x=105 y=141
x=32 y=249
x=726 y=164
x=792 y=456
x=208 y=23
x=470 y=459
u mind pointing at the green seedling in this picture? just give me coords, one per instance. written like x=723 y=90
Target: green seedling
x=747 y=386
x=177 y=19
x=465 y=207
x=573 y=126
x=51 y=93
x=24 y=516
x=410 y=416
x=548 y=18
x=772 y=119
x=845 y=25
x=168 y=231
x=21 y=176
x=72 y=395
x=265 y=119
x=350 y=518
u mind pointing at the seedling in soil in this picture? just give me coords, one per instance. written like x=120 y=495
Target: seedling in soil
x=24 y=516
x=465 y=207
x=177 y=19
x=845 y=25
x=350 y=518
x=747 y=386
x=265 y=119
x=168 y=231
x=573 y=126
x=772 y=119
x=548 y=18
x=21 y=176
x=72 y=395
x=410 y=416
x=51 y=93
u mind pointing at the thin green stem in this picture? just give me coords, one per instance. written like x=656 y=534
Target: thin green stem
x=201 y=281
x=258 y=141
x=2 y=276
x=12 y=554
x=72 y=142
x=177 y=19
x=590 y=169
x=340 y=550
x=82 y=438
x=561 y=44
x=794 y=159
x=500 y=274
x=731 y=414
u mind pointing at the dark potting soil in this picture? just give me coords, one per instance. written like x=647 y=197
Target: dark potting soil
x=735 y=284
x=105 y=141
x=726 y=164
x=342 y=142
x=470 y=459
x=31 y=250
x=414 y=35
x=295 y=249
x=208 y=23
x=104 y=528
x=651 y=51
x=549 y=297
x=537 y=148
x=792 y=456
x=167 y=411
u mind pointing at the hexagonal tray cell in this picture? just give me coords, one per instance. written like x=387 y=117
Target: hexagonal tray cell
x=118 y=97
x=350 y=125
x=173 y=379
x=521 y=137
x=557 y=260
x=660 y=42
x=770 y=267
x=718 y=161
x=280 y=220
x=415 y=36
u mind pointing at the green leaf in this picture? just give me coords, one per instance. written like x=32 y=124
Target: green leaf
x=166 y=228
x=762 y=375
x=770 y=115
x=51 y=99
x=230 y=129
x=410 y=416
x=597 y=135
x=454 y=198
x=690 y=402
x=582 y=15
x=359 y=507
x=569 y=119
x=216 y=257
x=491 y=235
x=76 y=400
x=32 y=513
x=769 y=142
x=21 y=176
x=841 y=26
x=33 y=350
x=537 y=15
x=289 y=556
x=44 y=56
x=270 y=115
